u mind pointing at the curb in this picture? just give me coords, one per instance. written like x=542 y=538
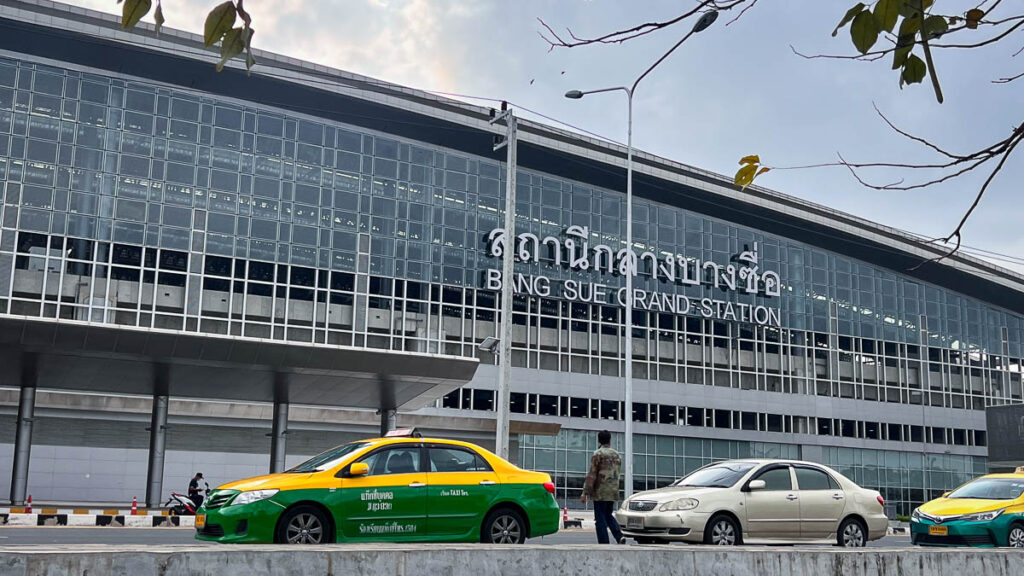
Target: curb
x=112 y=520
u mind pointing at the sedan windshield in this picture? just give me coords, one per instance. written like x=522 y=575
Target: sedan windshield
x=990 y=489
x=717 y=476
x=328 y=459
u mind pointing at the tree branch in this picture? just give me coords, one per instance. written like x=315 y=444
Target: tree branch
x=624 y=35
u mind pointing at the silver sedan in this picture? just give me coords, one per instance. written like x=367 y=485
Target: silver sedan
x=764 y=501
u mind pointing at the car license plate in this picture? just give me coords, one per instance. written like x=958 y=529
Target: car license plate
x=200 y=520
x=635 y=522
x=938 y=530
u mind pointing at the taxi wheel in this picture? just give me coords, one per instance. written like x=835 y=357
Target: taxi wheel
x=504 y=526
x=302 y=525
x=1015 y=539
x=851 y=534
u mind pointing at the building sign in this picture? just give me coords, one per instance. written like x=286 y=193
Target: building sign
x=575 y=253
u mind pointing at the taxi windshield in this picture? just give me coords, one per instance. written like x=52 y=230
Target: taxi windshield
x=991 y=489
x=716 y=476
x=328 y=459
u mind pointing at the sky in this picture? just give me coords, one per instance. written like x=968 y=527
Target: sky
x=732 y=90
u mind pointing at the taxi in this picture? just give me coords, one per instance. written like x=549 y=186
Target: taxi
x=398 y=489
x=986 y=512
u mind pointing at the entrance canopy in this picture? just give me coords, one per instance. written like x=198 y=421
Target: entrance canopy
x=71 y=355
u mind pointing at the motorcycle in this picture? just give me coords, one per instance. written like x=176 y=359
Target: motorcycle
x=182 y=504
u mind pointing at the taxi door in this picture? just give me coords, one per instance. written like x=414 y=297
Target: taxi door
x=460 y=487
x=389 y=502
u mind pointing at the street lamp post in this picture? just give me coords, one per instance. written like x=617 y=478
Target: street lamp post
x=702 y=23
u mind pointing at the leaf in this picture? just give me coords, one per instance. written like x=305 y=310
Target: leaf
x=232 y=45
x=935 y=26
x=745 y=175
x=904 y=45
x=913 y=71
x=158 y=17
x=218 y=22
x=762 y=171
x=133 y=11
x=849 y=16
x=909 y=26
x=974 y=16
x=909 y=8
x=752 y=159
x=886 y=13
x=246 y=19
x=864 y=31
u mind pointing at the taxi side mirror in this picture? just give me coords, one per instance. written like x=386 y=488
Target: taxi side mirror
x=756 y=485
x=358 y=469
x=945 y=494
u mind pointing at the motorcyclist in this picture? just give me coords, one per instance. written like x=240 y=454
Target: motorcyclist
x=194 y=492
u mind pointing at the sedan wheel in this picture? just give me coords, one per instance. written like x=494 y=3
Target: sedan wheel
x=851 y=534
x=722 y=531
x=1016 y=537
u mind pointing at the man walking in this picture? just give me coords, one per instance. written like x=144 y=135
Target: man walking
x=602 y=486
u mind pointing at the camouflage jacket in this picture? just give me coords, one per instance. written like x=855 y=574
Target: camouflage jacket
x=602 y=483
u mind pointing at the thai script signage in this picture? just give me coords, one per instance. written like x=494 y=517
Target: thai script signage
x=575 y=253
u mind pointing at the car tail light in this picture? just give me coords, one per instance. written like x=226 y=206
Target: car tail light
x=550 y=487
x=881 y=501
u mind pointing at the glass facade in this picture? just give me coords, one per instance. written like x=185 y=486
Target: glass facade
x=657 y=460
x=131 y=203
x=905 y=479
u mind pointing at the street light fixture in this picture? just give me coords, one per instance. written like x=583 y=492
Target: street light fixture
x=705 y=20
x=489 y=344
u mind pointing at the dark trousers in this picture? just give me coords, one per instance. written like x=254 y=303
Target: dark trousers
x=604 y=521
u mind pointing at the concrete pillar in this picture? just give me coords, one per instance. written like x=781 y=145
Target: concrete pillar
x=279 y=428
x=157 y=437
x=388 y=421
x=23 y=436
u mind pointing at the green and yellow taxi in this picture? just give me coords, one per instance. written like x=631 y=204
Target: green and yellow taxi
x=399 y=489
x=986 y=512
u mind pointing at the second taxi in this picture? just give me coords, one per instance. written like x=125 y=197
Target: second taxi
x=986 y=512
x=395 y=489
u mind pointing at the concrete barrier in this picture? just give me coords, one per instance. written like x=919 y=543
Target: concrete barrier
x=118 y=521
x=477 y=560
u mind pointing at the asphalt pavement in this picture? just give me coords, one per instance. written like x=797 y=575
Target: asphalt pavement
x=13 y=537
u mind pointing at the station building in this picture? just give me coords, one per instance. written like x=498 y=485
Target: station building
x=224 y=273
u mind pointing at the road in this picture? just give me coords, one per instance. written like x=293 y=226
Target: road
x=18 y=536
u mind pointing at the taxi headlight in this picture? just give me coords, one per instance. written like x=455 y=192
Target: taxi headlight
x=680 y=504
x=251 y=496
x=982 y=516
x=624 y=505
x=915 y=516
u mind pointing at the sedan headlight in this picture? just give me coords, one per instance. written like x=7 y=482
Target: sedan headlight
x=982 y=516
x=915 y=516
x=252 y=496
x=680 y=504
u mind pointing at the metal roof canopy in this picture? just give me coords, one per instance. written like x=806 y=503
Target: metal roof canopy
x=107 y=358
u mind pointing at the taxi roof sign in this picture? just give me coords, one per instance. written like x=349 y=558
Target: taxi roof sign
x=403 y=433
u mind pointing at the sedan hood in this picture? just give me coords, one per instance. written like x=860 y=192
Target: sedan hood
x=670 y=493
x=961 y=506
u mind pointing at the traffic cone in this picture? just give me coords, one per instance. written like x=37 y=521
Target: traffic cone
x=28 y=505
x=135 y=506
